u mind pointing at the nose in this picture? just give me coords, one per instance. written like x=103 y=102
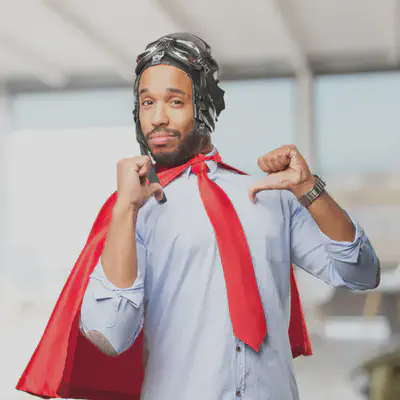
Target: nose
x=160 y=116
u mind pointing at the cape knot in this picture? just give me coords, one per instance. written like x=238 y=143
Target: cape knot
x=199 y=162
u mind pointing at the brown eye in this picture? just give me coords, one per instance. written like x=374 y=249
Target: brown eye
x=177 y=102
x=147 y=103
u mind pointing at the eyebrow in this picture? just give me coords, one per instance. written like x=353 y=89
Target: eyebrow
x=171 y=90
x=174 y=90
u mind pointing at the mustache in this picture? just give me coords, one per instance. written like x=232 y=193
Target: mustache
x=162 y=131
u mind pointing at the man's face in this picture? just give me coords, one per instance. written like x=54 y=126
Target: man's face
x=166 y=114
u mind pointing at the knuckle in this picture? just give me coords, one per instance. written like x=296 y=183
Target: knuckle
x=287 y=147
x=268 y=156
x=145 y=160
x=135 y=160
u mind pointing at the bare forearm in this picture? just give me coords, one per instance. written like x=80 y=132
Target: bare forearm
x=331 y=219
x=119 y=257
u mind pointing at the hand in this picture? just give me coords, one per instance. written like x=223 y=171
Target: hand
x=286 y=169
x=133 y=189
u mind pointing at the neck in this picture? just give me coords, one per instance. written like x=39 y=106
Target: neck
x=207 y=146
x=207 y=150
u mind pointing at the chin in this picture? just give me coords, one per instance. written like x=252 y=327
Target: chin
x=171 y=158
x=159 y=150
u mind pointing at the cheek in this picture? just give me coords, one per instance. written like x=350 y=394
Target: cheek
x=145 y=121
x=183 y=118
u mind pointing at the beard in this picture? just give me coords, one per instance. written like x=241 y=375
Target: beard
x=189 y=146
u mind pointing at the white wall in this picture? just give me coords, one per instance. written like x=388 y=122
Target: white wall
x=56 y=184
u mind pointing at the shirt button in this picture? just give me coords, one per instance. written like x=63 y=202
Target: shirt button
x=238 y=393
x=238 y=349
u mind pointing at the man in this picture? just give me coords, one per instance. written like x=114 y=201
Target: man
x=206 y=275
x=161 y=266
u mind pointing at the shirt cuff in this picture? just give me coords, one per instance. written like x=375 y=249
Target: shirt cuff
x=345 y=251
x=107 y=290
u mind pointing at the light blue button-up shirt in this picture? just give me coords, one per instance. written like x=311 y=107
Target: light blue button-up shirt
x=180 y=294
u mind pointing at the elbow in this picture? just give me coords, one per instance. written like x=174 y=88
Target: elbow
x=363 y=275
x=369 y=281
x=375 y=265
x=378 y=274
x=101 y=343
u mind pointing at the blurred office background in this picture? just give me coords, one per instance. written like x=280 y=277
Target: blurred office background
x=324 y=75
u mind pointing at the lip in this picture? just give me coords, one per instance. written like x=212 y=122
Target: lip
x=161 y=139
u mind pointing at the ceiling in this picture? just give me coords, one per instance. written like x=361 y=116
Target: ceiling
x=65 y=43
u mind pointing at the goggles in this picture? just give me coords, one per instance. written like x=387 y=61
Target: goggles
x=187 y=52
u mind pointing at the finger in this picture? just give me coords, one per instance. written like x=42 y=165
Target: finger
x=144 y=171
x=273 y=181
x=289 y=148
x=290 y=151
x=156 y=190
x=135 y=164
x=260 y=186
x=144 y=165
x=141 y=160
x=272 y=164
x=280 y=159
x=276 y=160
x=283 y=158
x=261 y=161
x=296 y=159
x=276 y=164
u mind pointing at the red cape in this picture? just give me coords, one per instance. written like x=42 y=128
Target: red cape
x=65 y=364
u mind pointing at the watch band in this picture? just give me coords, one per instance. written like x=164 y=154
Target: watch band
x=314 y=193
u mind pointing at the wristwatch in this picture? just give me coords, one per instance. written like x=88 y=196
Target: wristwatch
x=312 y=194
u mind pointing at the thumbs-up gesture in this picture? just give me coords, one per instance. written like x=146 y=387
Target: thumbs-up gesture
x=286 y=169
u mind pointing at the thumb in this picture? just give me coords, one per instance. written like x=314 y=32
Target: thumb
x=273 y=181
x=156 y=190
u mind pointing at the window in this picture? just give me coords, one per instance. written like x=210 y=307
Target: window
x=358 y=123
x=259 y=117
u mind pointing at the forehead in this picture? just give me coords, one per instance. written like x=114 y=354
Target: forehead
x=160 y=77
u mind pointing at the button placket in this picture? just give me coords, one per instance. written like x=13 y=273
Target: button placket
x=240 y=368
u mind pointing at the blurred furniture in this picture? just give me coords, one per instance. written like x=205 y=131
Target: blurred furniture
x=383 y=373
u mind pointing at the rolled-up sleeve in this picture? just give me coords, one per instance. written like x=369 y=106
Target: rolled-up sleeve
x=117 y=313
x=350 y=264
